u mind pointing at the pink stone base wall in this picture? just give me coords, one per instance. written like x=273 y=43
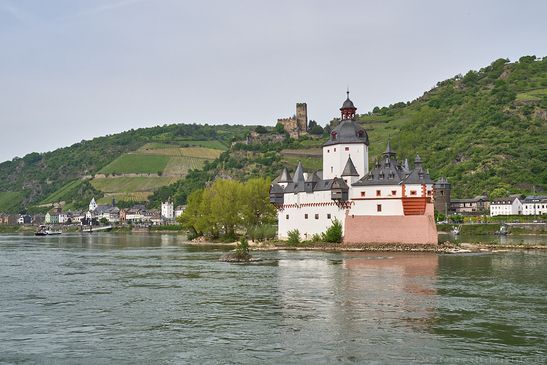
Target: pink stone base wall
x=408 y=229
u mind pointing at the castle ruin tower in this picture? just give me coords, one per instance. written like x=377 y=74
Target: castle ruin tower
x=302 y=117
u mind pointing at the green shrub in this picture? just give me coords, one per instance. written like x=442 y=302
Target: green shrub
x=316 y=238
x=333 y=234
x=294 y=237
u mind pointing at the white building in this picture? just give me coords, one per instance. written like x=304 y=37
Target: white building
x=534 y=205
x=390 y=203
x=167 y=210
x=506 y=206
x=179 y=210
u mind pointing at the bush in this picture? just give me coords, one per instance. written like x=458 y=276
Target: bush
x=316 y=238
x=294 y=237
x=334 y=233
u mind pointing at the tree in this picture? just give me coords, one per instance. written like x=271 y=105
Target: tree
x=261 y=129
x=317 y=130
x=103 y=221
x=333 y=234
x=279 y=128
x=311 y=124
x=294 y=237
x=256 y=208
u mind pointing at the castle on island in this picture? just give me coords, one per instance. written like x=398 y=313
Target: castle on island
x=388 y=203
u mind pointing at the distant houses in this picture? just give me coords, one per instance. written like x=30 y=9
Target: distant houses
x=515 y=205
x=477 y=204
x=506 y=206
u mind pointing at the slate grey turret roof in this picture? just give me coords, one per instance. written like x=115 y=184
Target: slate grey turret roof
x=298 y=173
x=349 y=169
x=285 y=177
x=348 y=131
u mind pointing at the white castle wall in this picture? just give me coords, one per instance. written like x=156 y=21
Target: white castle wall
x=336 y=156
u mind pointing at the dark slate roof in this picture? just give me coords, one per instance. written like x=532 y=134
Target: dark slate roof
x=348 y=131
x=338 y=183
x=418 y=176
x=298 y=174
x=405 y=167
x=535 y=199
x=350 y=169
x=276 y=189
x=505 y=201
x=320 y=185
x=442 y=180
x=385 y=172
x=313 y=178
x=348 y=104
x=285 y=177
x=389 y=151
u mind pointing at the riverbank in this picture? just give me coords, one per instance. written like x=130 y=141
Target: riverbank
x=446 y=247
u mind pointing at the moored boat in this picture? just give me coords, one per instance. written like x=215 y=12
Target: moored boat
x=46 y=231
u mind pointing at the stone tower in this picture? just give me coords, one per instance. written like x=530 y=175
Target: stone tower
x=302 y=117
x=441 y=189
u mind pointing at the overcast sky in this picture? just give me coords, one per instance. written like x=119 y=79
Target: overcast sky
x=77 y=69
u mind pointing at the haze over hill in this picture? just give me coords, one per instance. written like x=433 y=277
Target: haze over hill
x=485 y=130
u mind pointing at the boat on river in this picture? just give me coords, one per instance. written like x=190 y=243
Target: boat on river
x=46 y=231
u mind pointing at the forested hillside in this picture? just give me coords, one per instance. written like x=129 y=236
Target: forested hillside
x=485 y=130
x=62 y=174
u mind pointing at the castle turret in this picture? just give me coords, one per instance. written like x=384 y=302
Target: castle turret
x=441 y=194
x=347 y=139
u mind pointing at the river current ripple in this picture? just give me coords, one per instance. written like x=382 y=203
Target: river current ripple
x=115 y=298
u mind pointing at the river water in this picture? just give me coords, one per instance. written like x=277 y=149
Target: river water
x=139 y=298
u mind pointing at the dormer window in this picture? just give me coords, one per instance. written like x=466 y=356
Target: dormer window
x=333 y=135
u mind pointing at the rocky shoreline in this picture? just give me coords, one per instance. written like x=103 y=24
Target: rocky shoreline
x=442 y=248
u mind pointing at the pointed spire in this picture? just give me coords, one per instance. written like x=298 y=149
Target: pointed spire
x=285 y=177
x=299 y=173
x=313 y=177
x=389 y=152
x=350 y=169
x=406 y=167
x=417 y=161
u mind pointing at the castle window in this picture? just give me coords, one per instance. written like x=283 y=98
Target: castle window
x=331 y=169
x=346 y=181
x=429 y=192
x=335 y=150
x=328 y=216
x=305 y=216
x=328 y=151
x=362 y=193
x=393 y=192
x=317 y=216
x=347 y=148
x=287 y=216
x=412 y=192
x=378 y=207
x=378 y=193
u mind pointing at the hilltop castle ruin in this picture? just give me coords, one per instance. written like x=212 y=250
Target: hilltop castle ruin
x=296 y=125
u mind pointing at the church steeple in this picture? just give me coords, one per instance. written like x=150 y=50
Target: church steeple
x=348 y=109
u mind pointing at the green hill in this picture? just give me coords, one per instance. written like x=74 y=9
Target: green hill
x=65 y=174
x=486 y=131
